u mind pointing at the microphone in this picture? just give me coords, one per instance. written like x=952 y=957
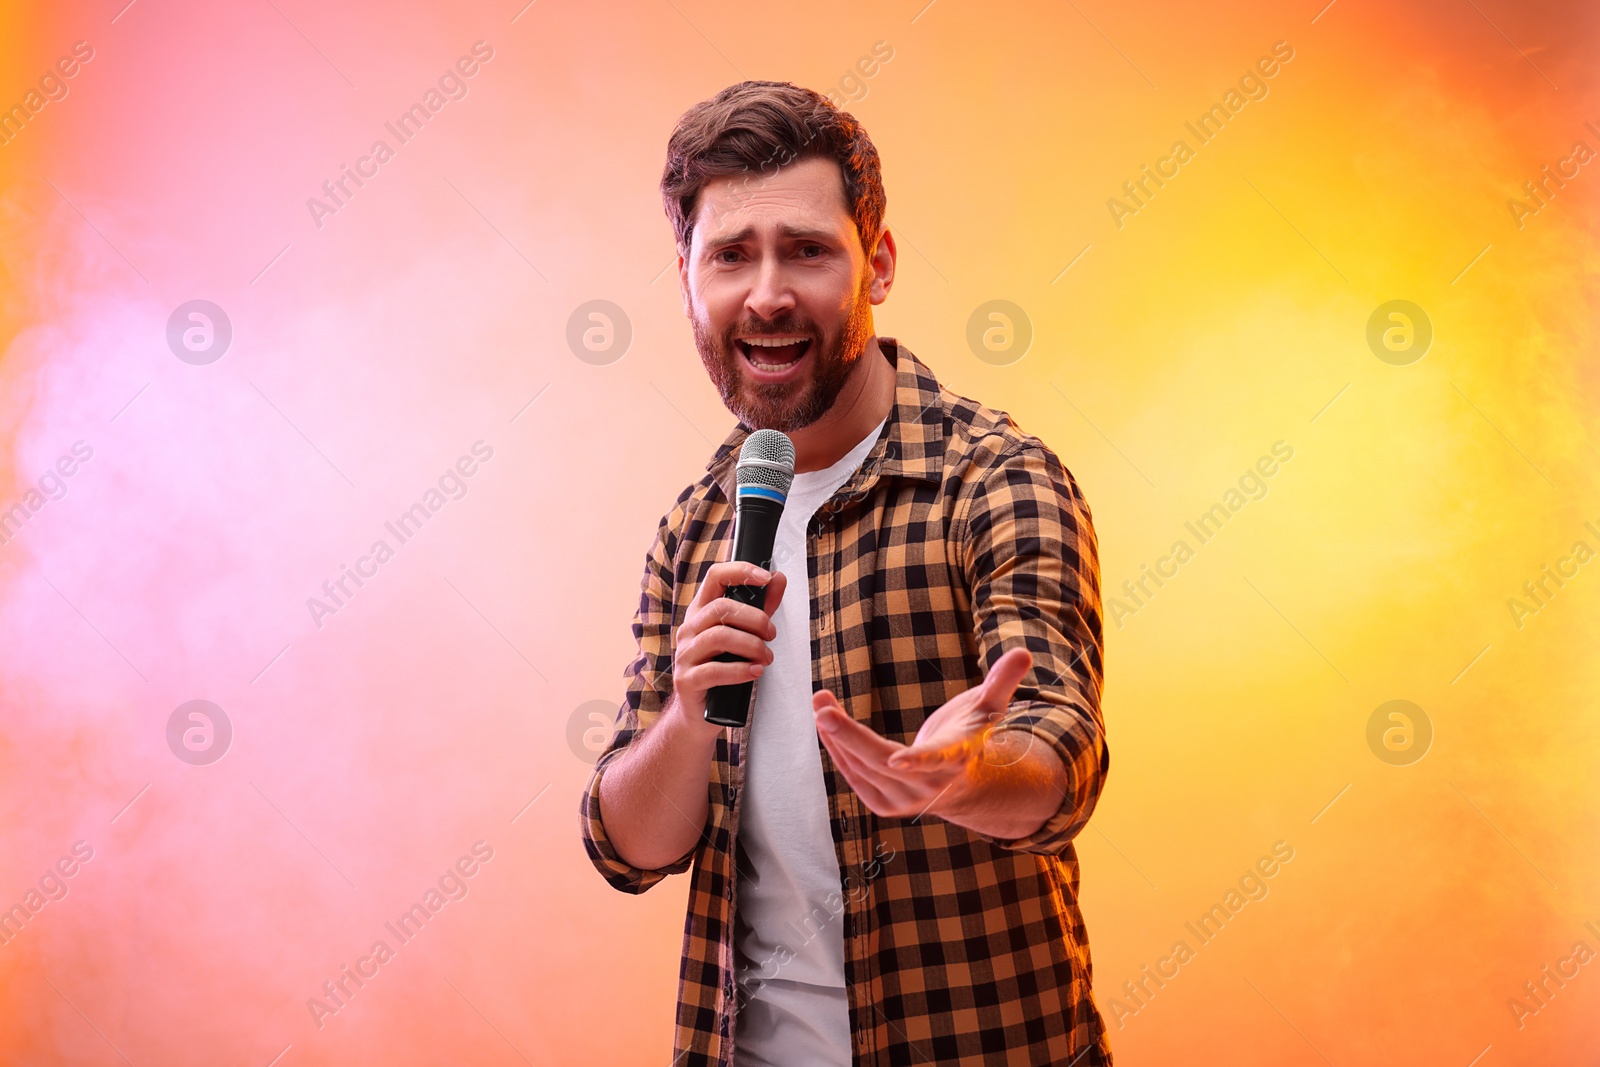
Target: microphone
x=763 y=477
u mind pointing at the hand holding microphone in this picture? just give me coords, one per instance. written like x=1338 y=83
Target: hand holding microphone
x=722 y=639
x=722 y=642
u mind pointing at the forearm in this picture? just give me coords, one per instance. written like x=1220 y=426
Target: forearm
x=653 y=796
x=1008 y=792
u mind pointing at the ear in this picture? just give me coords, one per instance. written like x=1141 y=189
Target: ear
x=882 y=266
x=683 y=286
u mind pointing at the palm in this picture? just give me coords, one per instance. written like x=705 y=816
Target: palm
x=955 y=731
x=905 y=780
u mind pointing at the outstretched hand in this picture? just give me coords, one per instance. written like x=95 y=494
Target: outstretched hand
x=906 y=781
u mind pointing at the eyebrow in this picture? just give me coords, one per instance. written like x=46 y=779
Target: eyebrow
x=803 y=232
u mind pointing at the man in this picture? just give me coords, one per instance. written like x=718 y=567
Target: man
x=883 y=869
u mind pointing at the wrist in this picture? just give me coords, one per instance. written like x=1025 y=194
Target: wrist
x=960 y=797
x=687 y=729
x=1008 y=790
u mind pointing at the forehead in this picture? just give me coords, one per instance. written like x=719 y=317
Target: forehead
x=808 y=192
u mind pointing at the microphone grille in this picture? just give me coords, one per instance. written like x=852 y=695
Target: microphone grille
x=767 y=461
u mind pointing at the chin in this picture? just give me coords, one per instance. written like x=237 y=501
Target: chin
x=788 y=416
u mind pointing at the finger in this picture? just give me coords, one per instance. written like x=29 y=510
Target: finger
x=708 y=644
x=703 y=677
x=721 y=575
x=884 y=794
x=906 y=794
x=728 y=614
x=775 y=588
x=1003 y=678
x=872 y=755
x=725 y=611
x=832 y=723
x=858 y=779
x=865 y=742
x=874 y=752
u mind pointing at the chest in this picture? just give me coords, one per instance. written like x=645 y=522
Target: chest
x=885 y=597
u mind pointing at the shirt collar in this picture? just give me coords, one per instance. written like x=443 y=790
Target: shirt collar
x=912 y=443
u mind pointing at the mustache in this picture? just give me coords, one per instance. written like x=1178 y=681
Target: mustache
x=790 y=331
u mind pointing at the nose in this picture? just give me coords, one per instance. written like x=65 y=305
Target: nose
x=771 y=294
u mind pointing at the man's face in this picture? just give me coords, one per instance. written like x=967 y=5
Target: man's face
x=777 y=258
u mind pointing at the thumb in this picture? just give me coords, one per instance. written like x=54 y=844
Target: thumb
x=1004 y=677
x=774 y=594
x=823 y=699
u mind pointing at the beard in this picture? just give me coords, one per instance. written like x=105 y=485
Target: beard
x=791 y=405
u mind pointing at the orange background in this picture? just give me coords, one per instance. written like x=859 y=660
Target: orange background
x=368 y=353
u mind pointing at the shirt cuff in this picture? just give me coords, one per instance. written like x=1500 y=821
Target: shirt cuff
x=1081 y=747
x=618 y=872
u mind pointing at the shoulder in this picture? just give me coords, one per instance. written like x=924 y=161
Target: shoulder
x=686 y=520
x=984 y=446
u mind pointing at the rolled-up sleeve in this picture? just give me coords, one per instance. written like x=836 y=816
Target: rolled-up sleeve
x=1032 y=563
x=649 y=684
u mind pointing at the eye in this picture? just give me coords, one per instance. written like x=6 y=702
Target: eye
x=725 y=252
x=809 y=248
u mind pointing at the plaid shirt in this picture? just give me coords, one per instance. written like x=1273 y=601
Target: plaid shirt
x=959 y=537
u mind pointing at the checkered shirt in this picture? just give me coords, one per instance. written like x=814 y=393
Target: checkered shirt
x=959 y=537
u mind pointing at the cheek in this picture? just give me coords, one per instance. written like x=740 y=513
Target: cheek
x=827 y=304
x=707 y=320
x=719 y=310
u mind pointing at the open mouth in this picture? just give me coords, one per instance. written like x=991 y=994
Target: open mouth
x=771 y=358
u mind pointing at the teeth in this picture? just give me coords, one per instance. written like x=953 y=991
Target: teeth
x=771 y=342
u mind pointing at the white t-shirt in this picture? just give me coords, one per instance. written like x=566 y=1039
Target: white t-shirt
x=793 y=1010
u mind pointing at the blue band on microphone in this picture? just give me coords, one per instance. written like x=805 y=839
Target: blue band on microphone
x=763 y=492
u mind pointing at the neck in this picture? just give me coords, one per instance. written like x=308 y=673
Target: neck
x=864 y=402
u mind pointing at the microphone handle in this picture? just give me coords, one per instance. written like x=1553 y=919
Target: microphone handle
x=755 y=532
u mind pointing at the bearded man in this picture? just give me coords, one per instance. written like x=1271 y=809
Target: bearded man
x=882 y=867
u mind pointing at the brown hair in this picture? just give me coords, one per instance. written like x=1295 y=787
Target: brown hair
x=755 y=127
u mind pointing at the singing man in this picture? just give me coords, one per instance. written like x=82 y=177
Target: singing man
x=882 y=867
